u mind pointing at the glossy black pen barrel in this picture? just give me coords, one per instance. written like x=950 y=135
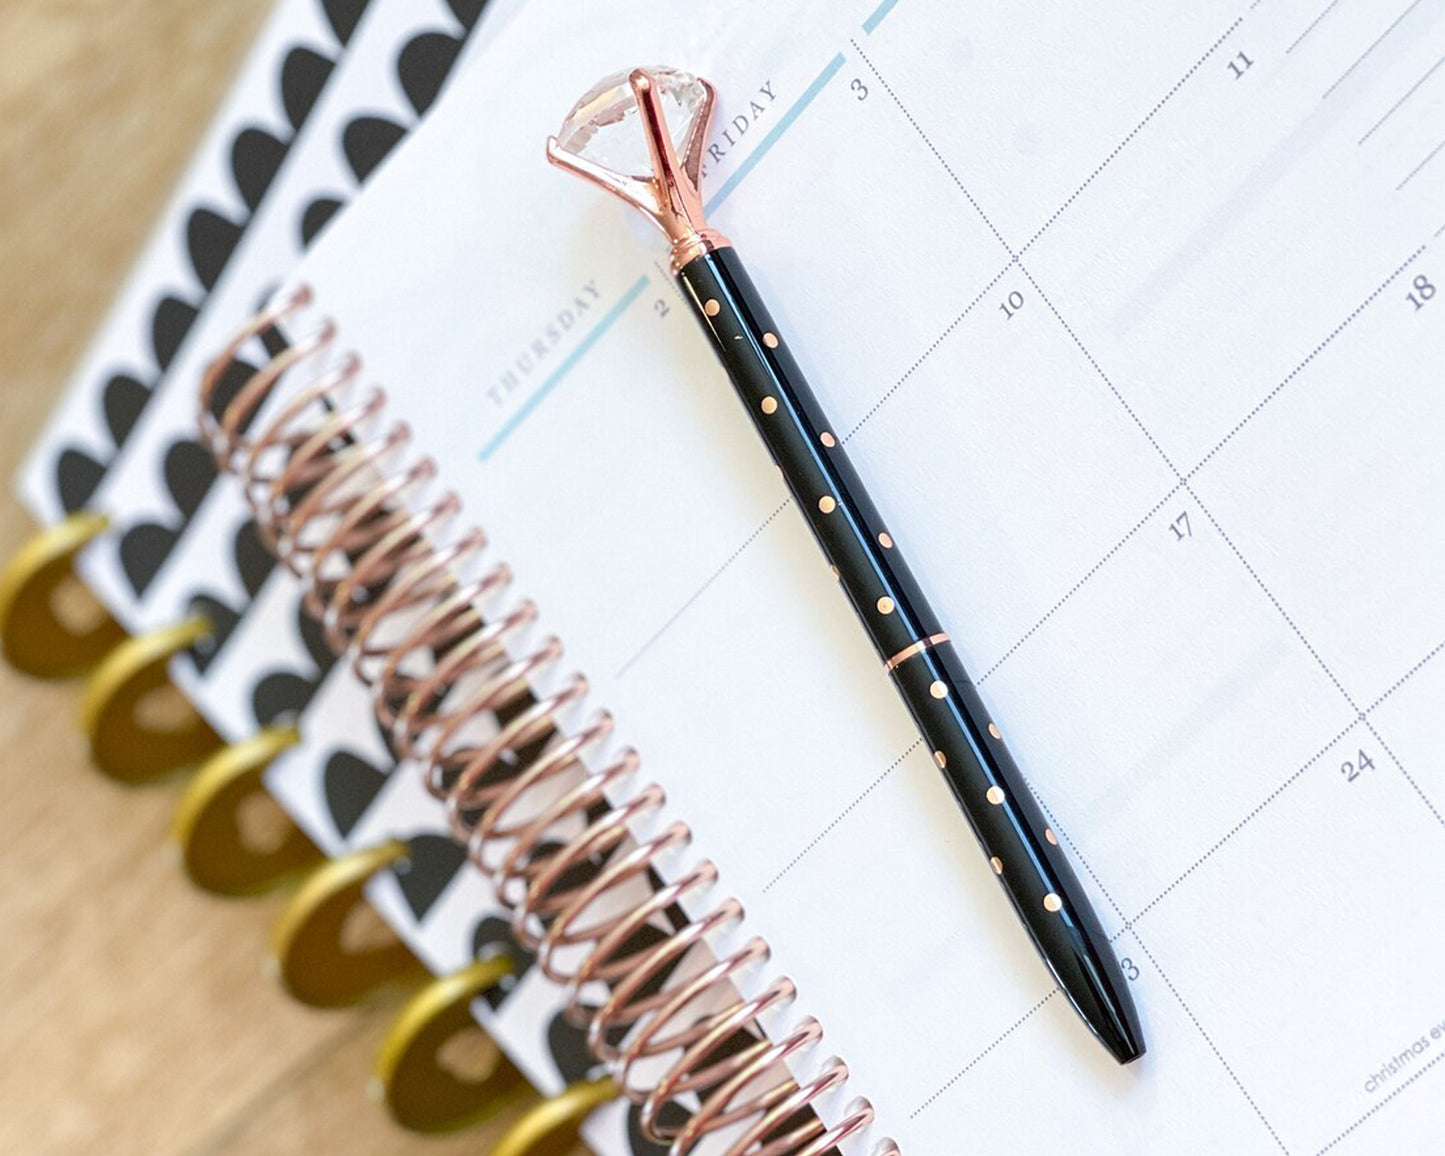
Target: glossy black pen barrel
x=966 y=745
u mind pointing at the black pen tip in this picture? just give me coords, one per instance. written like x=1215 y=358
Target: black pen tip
x=1116 y=1023
x=1126 y=1049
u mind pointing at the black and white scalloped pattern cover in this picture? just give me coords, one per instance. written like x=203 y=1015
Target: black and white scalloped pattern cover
x=214 y=206
x=163 y=481
x=182 y=542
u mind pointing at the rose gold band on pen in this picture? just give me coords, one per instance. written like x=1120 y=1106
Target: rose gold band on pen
x=917 y=648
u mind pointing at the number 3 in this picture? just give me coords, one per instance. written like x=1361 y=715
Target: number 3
x=860 y=88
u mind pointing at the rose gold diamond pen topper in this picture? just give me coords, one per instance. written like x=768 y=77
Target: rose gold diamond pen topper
x=601 y=142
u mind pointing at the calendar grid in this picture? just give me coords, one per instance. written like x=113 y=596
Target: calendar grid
x=1183 y=482
x=957 y=320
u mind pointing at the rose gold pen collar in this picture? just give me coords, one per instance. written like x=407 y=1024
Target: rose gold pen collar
x=916 y=648
x=670 y=198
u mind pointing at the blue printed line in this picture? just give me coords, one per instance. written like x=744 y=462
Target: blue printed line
x=778 y=129
x=571 y=360
x=878 y=14
x=785 y=123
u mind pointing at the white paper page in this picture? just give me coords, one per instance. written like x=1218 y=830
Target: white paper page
x=295 y=56
x=1175 y=500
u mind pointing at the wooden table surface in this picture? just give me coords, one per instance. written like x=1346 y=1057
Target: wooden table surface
x=133 y=1014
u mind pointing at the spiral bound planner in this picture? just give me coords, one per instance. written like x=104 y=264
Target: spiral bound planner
x=1135 y=346
x=1131 y=320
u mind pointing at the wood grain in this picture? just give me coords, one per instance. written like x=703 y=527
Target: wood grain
x=133 y=1015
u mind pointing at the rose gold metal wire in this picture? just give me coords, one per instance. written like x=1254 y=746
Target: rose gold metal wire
x=448 y=755
x=396 y=546
x=412 y=706
x=330 y=498
x=700 y=1064
x=613 y=958
x=306 y=453
x=473 y=791
x=548 y=894
x=417 y=587
x=212 y=435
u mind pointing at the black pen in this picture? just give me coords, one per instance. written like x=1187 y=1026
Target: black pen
x=626 y=135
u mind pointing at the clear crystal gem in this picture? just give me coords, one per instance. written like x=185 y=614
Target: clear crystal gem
x=603 y=127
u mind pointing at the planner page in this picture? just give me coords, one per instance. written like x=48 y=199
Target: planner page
x=1131 y=321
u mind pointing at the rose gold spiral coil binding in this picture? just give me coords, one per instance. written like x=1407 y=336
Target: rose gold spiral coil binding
x=336 y=499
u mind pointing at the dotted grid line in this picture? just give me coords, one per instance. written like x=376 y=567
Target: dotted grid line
x=848 y=810
x=1213 y=1047
x=1407 y=676
x=1413 y=1077
x=1399 y=766
x=1079 y=855
x=938 y=156
x=1122 y=401
x=1104 y=377
x=968 y=1067
x=1275 y=602
x=972 y=305
x=927 y=353
x=1239 y=826
x=1135 y=131
x=1077 y=586
x=698 y=593
x=1300 y=368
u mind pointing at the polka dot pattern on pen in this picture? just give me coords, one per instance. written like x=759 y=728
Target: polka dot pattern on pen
x=861 y=553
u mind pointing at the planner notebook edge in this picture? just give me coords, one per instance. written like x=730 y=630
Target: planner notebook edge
x=297 y=49
x=328 y=476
